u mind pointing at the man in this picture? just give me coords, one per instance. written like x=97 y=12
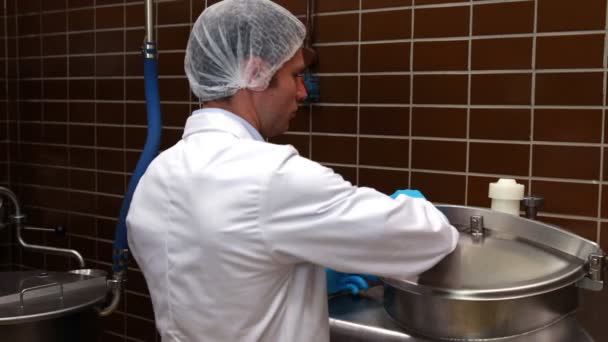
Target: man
x=232 y=233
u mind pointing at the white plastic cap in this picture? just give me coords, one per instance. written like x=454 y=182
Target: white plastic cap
x=506 y=189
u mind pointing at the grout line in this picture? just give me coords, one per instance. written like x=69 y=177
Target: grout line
x=80 y=8
x=18 y=105
x=91 y=54
x=92 y=78
x=437 y=105
x=461 y=72
x=411 y=99
x=90 y=147
x=63 y=211
x=567 y=216
x=335 y=104
x=68 y=112
x=468 y=123
x=100 y=101
x=603 y=136
x=42 y=93
x=385 y=9
x=95 y=118
x=11 y=261
x=310 y=8
x=124 y=104
x=86 y=124
x=454 y=140
x=68 y=168
x=358 y=143
x=6 y=85
x=459 y=38
x=337 y=74
x=326 y=134
x=427 y=6
x=476 y=174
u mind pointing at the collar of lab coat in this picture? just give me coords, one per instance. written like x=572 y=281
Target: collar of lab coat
x=216 y=119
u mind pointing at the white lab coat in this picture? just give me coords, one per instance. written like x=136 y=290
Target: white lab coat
x=233 y=234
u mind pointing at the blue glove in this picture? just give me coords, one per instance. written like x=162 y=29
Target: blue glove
x=353 y=283
x=408 y=192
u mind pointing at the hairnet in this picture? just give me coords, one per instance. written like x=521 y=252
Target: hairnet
x=240 y=44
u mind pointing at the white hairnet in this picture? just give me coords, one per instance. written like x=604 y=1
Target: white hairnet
x=240 y=44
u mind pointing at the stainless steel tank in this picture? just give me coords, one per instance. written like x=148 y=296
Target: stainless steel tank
x=38 y=306
x=510 y=278
x=363 y=319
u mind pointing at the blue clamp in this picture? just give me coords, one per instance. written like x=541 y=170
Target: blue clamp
x=311 y=82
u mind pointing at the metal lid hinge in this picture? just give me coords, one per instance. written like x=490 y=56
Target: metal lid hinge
x=594 y=280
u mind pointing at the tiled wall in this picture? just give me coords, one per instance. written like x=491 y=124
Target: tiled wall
x=443 y=96
x=77 y=125
x=446 y=96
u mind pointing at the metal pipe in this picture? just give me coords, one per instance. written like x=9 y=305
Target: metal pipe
x=121 y=252
x=18 y=218
x=149 y=21
x=52 y=250
x=11 y=195
x=116 y=284
x=310 y=10
x=38 y=229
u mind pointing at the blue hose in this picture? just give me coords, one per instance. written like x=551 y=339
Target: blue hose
x=311 y=82
x=148 y=154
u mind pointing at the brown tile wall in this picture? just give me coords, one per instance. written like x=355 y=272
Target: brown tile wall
x=443 y=96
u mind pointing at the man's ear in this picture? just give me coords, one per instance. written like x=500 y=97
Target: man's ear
x=256 y=73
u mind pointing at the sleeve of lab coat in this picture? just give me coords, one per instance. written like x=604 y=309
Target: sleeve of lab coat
x=312 y=214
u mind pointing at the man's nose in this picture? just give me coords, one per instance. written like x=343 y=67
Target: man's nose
x=301 y=92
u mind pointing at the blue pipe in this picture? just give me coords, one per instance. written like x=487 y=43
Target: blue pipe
x=148 y=154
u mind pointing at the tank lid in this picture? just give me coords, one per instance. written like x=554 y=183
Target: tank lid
x=502 y=256
x=35 y=295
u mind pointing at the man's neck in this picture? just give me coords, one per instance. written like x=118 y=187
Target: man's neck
x=239 y=104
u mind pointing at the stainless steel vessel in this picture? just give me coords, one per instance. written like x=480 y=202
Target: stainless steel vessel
x=508 y=277
x=363 y=319
x=52 y=306
x=38 y=306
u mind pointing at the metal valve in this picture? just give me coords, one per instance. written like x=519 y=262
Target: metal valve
x=477 y=229
x=596 y=271
x=532 y=204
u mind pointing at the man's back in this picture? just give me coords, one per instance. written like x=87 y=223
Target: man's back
x=194 y=230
